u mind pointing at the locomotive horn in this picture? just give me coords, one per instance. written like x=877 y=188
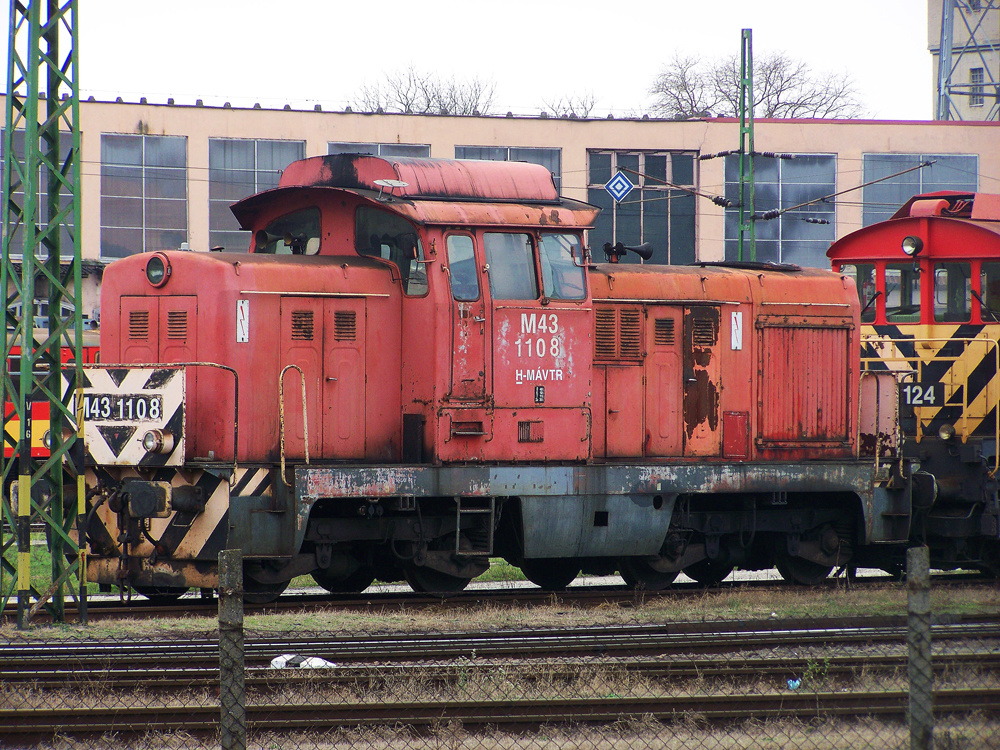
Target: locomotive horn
x=644 y=251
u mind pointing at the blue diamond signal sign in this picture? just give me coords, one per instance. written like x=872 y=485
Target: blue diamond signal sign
x=619 y=186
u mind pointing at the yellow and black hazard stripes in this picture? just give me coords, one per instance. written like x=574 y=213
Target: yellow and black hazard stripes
x=196 y=531
x=951 y=374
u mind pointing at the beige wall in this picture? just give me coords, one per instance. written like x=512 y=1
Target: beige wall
x=849 y=139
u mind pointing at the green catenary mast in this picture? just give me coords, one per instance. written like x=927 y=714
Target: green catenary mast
x=42 y=263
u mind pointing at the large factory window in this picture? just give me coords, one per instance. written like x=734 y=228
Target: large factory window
x=238 y=168
x=942 y=172
x=143 y=193
x=562 y=271
x=418 y=150
x=806 y=226
x=660 y=210
x=65 y=197
x=550 y=158
x=512 y=266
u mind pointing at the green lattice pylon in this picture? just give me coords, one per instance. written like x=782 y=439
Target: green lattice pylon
x=747 y=235
x=42 y=463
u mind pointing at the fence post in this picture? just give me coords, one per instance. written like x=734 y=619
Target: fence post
x=232 y=685
x=918 y=605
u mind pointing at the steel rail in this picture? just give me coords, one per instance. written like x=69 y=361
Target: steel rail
x=41 y=723
x=51 y=675
x=673 y=638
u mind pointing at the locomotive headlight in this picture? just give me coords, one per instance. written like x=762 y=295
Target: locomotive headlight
x=158 y=441
x=912 y=245
x=946 y=432
x=158 y=269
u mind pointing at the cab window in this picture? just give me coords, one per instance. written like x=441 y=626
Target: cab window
x=510 y=257
x=378 y=234
x=864 y=276
x=293 y=234
x=462 y=268
x=561 y=257
x=902 y=293
x=952 y=292
x=989 y=284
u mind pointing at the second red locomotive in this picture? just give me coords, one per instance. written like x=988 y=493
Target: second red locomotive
x=417 y=366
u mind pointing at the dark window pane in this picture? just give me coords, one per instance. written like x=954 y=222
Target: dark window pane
x=167 y=214
x=121 y=149
x=166 y=183
x=220 y=218
x=232 y=241
x=682 y=169
x=682 y=214
x=404 y=149
x=165 y=151
x=273 y=156
x=351 y=148
x=600 y=168
x=121 y=212
x=656 y=208
x=656 y=170
x=164 y=239
x=629 y=165
x=230 y=154
x=119 y=243
x=603 y=230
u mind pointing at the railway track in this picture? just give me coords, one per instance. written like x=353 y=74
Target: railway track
x=24 y=657
x=678 y=663
x=499 y=595
x=477 y=715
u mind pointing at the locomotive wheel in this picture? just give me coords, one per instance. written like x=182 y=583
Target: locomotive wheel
x=640 y=574
x=355 y=583
x=708 y=572
x=255 y=592
x=802 y=571
x=161 y=594
x=426 y=580
x=553 y=574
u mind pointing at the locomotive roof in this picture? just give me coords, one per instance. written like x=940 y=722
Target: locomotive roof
x=950 y=223
x=433 y=190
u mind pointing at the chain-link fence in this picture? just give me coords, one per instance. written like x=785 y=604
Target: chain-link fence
x=818 y=683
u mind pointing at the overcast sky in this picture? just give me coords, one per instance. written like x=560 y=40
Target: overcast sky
x=307 y=52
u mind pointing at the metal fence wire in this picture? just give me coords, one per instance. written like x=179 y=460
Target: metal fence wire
x=811 y=683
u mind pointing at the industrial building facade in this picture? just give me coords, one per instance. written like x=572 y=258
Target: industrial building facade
x=162 y=176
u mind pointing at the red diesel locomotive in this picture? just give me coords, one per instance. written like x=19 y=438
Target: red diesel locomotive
x=417 y=366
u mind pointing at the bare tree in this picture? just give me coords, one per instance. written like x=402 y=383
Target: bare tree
x=783 y=87
x=574 y=105
x=411 y=90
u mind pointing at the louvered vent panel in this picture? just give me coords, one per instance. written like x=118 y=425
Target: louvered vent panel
x=703 y=332
x=177 y=324
x=138 y=325
x=530 y=432
x=664 y=331
x=302 y=325
x=345 y=325
x=630 y=335
x=605 y=340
